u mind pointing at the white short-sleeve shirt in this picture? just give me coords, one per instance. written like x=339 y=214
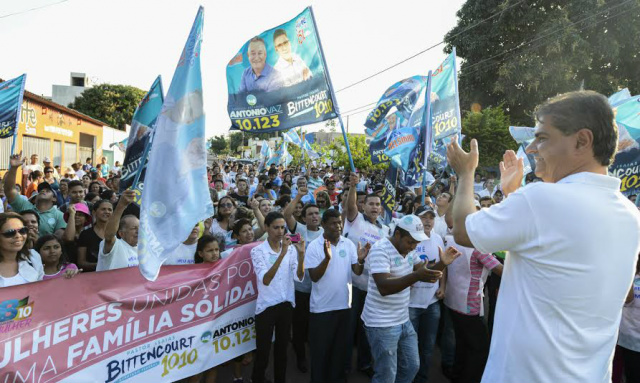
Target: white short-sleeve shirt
x=362 y=231
x=333 y=291
x=281 y=287
x=390 y=310
x=423 y=294
x=572 y=248
x=122 y=255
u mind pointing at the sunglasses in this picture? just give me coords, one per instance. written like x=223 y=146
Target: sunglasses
x=49 y=171
x=12 y=233
x=226 y=205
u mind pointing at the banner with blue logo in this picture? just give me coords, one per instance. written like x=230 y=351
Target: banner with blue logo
x=626 y=165
x=11 y=93
x=278 y=79
x=172 y=206
x=445 y=103
x=140 y=135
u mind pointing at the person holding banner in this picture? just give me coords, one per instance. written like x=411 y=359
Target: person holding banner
x=276 y=266
x=551 y=323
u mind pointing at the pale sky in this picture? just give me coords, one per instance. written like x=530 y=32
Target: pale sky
x=132 y=41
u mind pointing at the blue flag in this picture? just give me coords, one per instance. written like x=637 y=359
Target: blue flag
x=626 y=162
x=122 y=145
x=292 y=136
x=278 y=79
x=445 y=103
x=140 y=135
x=11 y=93
x=176 y=194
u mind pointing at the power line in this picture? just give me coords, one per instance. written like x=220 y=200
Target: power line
x=429 y=48
x=32 y=9
x=466 y=69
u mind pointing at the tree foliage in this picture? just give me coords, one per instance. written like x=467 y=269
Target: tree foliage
x=534 y=50
x=491 y=128
x=236 y=140
x=219 y=145
x=113 y=104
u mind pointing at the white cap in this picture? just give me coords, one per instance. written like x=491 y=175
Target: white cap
x=413 y=225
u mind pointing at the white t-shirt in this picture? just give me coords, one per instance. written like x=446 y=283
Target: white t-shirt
x=309 y=236
x=333 y=291
x=291 y=73
x=363 y=231
x=182 y=255
x=390 y=310
x=629 y=336
x=423 y=294
x=122 y=255
x=573 y=247
x=440 y=226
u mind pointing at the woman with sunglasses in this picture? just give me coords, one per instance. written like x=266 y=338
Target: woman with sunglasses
x=17 y=265
x=49 y=178
x=222 y=223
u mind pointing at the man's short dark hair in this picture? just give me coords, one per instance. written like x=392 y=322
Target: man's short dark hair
x=307 y=207
x=372 y=195
x=268 y=220
x=75 y=183
x=486 y=198
x=585 y=109
x=330 y=213
x=279 y=32
x=33 y=212
x=359 y=193
x=273 y=171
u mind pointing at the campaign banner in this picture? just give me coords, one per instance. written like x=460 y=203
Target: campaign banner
x=176 y=193
x=122 y=145
x=278 y=79
x=388 y=196
x=122 y=328
x=140 y=135
x=11 y=93
x=445 y=103
x=393 y=125
x=626 y=164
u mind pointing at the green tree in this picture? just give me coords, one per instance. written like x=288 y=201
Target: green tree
x=235 y=140
x=491 y=128
x=337 y=152
x=113 y=104
x=537 y=49
x=219 y=145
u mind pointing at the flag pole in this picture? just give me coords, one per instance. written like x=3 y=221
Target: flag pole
x=333 y=95
x=428 y=141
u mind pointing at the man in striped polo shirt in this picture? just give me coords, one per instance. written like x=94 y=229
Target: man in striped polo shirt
x=386 y=310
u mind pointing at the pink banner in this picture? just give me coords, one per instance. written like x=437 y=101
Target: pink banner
x=116 y=326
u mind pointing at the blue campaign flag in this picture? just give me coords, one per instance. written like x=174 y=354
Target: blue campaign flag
x=312 y=153
x=628 y=113
x=396 y=114
x=445 y=103
x=122 y=145
x=11 y=93
x=292 y=136
x=523 y=135
x=140 y=136
x=176 y=194
x=278 y=80
x=619 y=97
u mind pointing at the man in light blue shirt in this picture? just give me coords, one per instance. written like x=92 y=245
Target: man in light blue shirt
x=260 y=76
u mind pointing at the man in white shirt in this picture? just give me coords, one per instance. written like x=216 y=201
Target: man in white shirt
x=361 y=228
x=573 y=243
x=330 y=260
x=386 y=310
x=489 y=188
x=424 y=306
x=117 y=253
x=442 y=206
x=291 y=67
x=276 y=267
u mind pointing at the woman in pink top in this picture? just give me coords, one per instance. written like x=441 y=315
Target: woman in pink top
x=53 y=258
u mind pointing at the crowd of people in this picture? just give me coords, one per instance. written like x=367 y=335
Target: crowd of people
x=333 y=278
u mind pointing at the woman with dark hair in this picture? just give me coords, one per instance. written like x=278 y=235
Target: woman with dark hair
x=109 y=195
x=222 y=222
x=17 y=265
x=54 y=259
x=242 y=232
x=92 y=197
x=276 y=265
x=88 y=244
x=95 y=187
x=50 y=179
x=297 y=213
